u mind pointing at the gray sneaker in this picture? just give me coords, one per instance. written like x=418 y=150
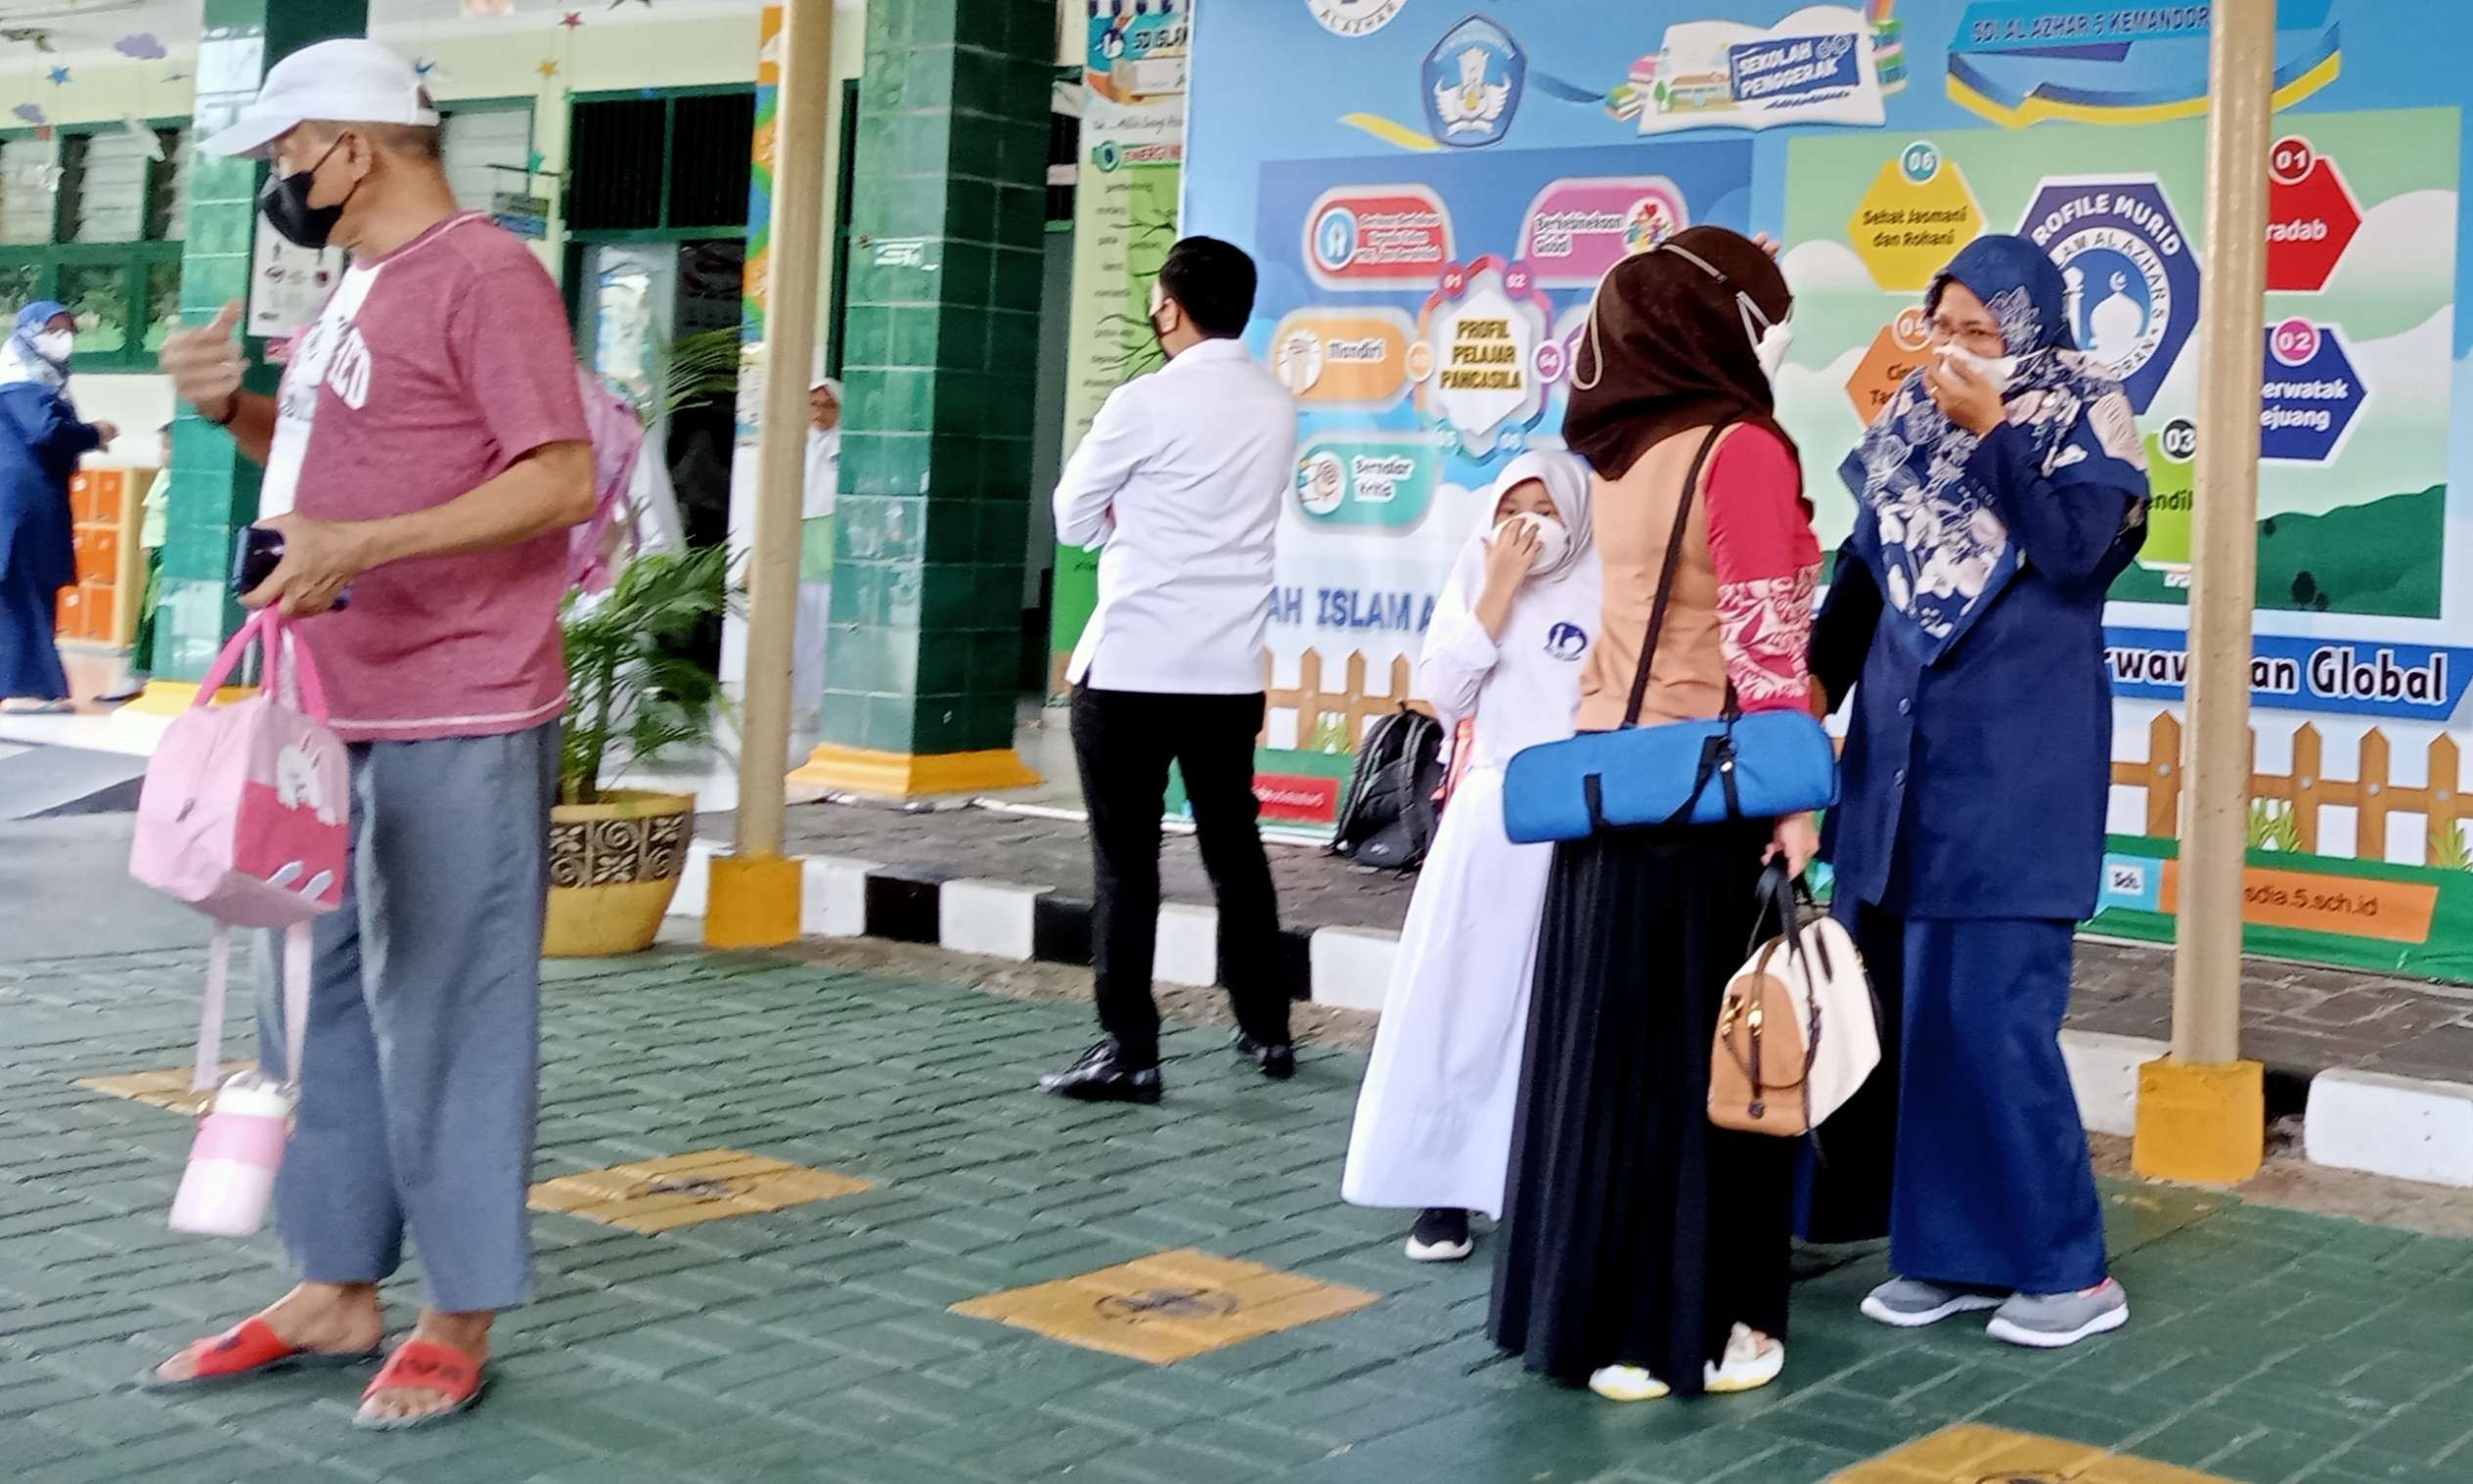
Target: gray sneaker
x=2052 y=1320
x=1910 y=1303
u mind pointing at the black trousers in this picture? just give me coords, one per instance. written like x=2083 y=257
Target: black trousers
x=1123 y=741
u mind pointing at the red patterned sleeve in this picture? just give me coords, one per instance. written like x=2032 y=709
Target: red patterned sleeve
x=1768 y=565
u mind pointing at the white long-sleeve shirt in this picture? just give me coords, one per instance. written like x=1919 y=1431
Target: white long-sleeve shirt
x=1178 y=487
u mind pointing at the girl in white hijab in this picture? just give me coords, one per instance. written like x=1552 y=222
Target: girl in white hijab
x=824 y=446
x=815 y=598
x=1433 y=1127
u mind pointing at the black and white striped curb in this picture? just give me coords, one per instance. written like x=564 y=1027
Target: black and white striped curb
x=2405 y=1127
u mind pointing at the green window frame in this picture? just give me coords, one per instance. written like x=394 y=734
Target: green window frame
x=661 y=169
x=126 y=294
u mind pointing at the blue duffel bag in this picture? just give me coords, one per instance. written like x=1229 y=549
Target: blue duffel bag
x=1732 y=767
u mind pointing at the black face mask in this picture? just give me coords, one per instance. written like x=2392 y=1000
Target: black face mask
x=286 y=202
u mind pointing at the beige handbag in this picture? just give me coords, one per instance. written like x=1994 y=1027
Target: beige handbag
x=1798 y=1032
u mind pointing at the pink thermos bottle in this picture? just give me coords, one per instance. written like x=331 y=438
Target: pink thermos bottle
x=231 y=1176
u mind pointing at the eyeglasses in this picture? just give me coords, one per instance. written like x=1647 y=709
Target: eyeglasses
x=1974 y=336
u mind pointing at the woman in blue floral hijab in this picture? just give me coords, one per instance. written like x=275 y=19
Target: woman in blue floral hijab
x=41 y=439
x=1999 y=495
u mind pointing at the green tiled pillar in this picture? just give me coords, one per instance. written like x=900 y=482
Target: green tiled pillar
x=213 y=489
x=924 y=660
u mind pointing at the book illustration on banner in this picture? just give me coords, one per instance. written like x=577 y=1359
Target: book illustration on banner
x=1817 y=64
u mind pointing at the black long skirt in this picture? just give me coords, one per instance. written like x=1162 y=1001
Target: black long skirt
x=1635 y=1233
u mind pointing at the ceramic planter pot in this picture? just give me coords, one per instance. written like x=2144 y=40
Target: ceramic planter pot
x=613 y=869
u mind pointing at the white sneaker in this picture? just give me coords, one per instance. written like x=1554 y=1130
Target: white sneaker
x=1627 y=1383
x=1752 y=1361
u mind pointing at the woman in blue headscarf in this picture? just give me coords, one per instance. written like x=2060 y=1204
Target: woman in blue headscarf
x=41 y=439
x=1999 y=493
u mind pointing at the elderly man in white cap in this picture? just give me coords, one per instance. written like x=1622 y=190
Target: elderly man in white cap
x=428 y=448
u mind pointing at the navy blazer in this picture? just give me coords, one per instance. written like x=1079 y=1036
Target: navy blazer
x=1976 y=785
x=41 y=439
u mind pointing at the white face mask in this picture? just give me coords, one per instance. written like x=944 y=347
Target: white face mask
x=2001 y=372
x=1772 y=348
x=1553 y=542
x=55 y=345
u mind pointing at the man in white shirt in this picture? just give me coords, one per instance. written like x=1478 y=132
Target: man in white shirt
x=1178 y=487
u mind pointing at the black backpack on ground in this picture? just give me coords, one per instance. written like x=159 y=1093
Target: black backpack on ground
x=1391 y=816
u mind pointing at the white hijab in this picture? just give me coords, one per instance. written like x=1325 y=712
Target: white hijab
x=824 y=458
x=1566 y=480
x=1532 y=687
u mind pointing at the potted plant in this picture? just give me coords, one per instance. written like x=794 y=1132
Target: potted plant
x=615 y=853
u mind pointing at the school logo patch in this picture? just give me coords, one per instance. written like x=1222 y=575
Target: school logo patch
x=1354 y=18
x=1566 y=641
x=1473 y=79
x=2133 y=279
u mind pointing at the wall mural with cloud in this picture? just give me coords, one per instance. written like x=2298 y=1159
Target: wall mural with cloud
x=1431 y=224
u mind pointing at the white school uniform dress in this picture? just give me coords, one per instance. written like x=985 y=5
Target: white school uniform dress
x=1435 y=1118
x=815 y=599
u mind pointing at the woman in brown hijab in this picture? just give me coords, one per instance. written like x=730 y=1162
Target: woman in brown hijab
x=1644 y=1251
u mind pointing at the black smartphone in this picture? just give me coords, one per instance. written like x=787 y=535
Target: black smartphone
x=255 y=554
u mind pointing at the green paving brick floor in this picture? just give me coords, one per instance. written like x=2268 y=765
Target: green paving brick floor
x=815 y=1342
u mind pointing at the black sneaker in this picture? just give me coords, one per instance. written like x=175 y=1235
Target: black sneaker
x=1101 y=1076
x=1441 y=1235
x=1276 y=1059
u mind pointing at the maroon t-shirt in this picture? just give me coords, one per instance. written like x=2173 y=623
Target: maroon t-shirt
x=431 y=371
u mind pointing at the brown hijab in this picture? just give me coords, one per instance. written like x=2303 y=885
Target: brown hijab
x=1668 y=348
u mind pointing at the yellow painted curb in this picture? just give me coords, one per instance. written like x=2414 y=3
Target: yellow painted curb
x=170 y=698
x=2202 y=1123
x=910 y=774
x=752 y=901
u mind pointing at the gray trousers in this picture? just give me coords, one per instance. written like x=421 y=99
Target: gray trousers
x=421 y=1078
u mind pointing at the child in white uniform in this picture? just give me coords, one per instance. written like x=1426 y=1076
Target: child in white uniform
x=1433 y=1128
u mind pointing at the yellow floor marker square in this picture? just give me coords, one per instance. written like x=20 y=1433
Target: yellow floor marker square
x=683 y=1189
x=1967 y=1454
x=167 y=1089
x=1169 y=1306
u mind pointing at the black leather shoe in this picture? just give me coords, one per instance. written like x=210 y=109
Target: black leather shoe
x=1101 y=1076
x=1276 y=1058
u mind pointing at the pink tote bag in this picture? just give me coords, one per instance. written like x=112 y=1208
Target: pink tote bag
x=246 y=815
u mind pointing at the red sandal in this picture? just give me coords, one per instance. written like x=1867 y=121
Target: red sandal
x=420 y=1365
x=248 y=1348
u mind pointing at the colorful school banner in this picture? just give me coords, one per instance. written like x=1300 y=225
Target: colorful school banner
x=1130 y=168
x=756 y=295
x=1433 y=191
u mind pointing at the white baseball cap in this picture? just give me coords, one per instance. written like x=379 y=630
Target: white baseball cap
x=350 y=79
